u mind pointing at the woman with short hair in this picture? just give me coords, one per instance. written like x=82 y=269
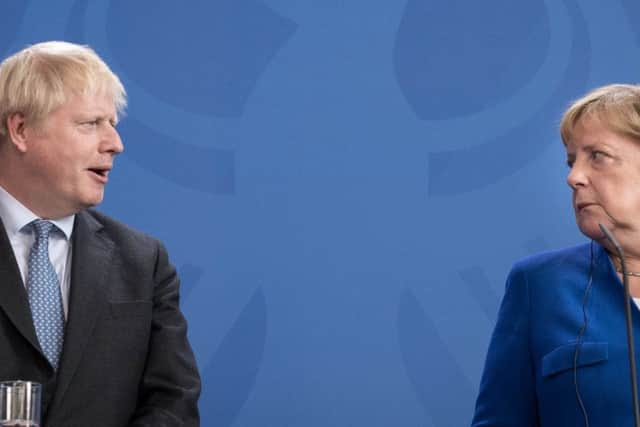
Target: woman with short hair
x=558 y=354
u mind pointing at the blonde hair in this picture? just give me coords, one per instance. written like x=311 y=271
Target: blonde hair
x=616 y=106
x=41 y=77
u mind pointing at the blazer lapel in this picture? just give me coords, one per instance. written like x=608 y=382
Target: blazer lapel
x=13 y=295
x=91 y=257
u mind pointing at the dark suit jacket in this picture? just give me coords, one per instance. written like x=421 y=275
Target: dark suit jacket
x=531 y=370
x=126 y=359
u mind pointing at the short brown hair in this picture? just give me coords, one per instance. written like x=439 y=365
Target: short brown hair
x=617 y=106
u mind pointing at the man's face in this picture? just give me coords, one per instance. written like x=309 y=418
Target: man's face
x=69 y=156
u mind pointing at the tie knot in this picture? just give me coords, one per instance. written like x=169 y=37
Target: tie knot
x=42 y=228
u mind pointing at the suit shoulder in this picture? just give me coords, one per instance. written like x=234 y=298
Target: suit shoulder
x=121 y=233
x=560 y=259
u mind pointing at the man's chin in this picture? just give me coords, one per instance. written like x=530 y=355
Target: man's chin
x=90 y=202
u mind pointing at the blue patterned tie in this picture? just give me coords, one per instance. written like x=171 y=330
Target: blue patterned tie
x=45 y=298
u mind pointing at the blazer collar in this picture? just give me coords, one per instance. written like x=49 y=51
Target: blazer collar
x=92 y=253
x=13 y=295
x=602 y=260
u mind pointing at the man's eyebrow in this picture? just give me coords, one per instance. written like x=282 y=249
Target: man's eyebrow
x=96 y=116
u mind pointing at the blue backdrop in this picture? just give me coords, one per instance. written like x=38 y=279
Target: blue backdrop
x=343 y=185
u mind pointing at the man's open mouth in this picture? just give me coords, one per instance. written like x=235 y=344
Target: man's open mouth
x=102 y=172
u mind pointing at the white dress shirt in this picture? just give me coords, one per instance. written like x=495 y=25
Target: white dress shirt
x=15 y=216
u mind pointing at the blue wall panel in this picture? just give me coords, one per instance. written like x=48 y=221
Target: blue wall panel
x=343 y=186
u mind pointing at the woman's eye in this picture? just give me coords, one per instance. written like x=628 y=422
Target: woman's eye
x=597 y=155
x=570 y=163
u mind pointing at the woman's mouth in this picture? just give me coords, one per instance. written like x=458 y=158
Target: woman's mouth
x=581 y=206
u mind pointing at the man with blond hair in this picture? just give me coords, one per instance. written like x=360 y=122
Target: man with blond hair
x=88 y=307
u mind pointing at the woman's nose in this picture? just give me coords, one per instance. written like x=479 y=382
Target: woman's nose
x=577 y=176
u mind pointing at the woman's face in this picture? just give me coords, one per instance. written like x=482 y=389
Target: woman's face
x=605 y=178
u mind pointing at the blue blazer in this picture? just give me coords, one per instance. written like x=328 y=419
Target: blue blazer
x=528 y=378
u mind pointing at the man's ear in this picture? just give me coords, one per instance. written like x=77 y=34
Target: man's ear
x=17 y=132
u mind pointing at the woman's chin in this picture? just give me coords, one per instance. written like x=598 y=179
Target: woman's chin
x=590 y=227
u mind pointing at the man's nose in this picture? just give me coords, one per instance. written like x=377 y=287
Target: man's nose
x=111 y=141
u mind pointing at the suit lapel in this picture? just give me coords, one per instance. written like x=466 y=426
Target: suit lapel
x=13 y=295
x=91 y=257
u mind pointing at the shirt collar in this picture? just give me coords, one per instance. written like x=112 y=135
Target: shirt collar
x=15 y=216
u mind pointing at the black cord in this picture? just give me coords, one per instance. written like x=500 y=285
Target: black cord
x=585 y=321
x=629 y=323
